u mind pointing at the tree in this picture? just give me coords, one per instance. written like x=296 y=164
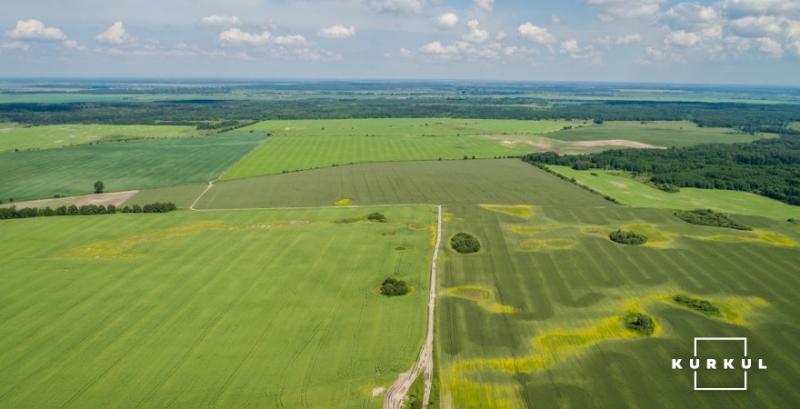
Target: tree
x=99 y=186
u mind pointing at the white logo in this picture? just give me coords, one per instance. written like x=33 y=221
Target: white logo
x=727 y=364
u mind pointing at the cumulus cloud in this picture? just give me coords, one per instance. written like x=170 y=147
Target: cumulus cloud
x=405 y=52
x=536 y=34
x=216 y=20
x=447 y=20
x=35 y=30
x=235 y=36
x=570 y=47
x=739 y=8
x=760 y=26
x=613 y=9
x=292 y=40
x=628 y=39
x=462 y=49
x=439 y=49
x=116 y=34
x=475 y=33
x=486 y=5
x=397 y=6
x=691 y=17
x=682 y=38
x=338 y=32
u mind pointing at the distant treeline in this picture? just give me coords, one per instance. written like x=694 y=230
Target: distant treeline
x=747 y=117
x=769 y=167
x=86 y=210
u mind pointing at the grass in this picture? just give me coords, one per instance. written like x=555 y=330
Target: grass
x=435 y=182
x=631 y=192
x=298 y=145
x=121 y=166
x=564 y=341
x=209 y=309
x=657 y=133
x=16 y=136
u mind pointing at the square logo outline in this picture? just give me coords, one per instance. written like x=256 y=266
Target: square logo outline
x=694 y=353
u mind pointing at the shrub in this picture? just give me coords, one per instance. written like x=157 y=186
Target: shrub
x=707 y=217
x=377 y=217
x=465 y=243
x=668 y=187
x=791 y=220
x=697 y=304
x=99 y=187
x=627 y=237
x=639 y=323
x=392 y=287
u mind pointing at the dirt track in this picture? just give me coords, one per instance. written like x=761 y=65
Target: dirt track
x=396 y=393
x=105 y=199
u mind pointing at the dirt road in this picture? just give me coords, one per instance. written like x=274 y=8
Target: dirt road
x=398 y=391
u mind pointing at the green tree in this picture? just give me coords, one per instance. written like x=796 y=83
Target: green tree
x=99 y=186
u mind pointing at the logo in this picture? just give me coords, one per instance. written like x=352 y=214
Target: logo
x=722 y=361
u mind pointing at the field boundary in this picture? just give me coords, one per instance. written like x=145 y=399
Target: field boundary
x=396 y=394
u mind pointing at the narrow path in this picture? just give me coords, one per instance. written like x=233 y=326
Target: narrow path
x=210 y=185
x=396 y=393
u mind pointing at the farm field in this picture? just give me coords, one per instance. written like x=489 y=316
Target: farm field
x=121 y=166
x=657 y=133
x=210 y=309
x=535 y=318
x=17 y=136
x=433 y=182
x=632 y=192
x=298 y=145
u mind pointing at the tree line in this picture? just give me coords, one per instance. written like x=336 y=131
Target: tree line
x=85 y=210
x=768 y=167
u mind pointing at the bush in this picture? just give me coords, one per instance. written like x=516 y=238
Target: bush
x=465 y=243
x=627 y=237
x=668 y=187
x=392 y=287
x=697 y=304
x=793 y=221
x=377 y=217
x=707 y=217
x=639 y=323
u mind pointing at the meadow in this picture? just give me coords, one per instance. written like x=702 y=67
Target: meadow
x=298 y=145
x=20 y=137
x=656 y=133
x=210 y=309
x=632 y=192
x=120 y=165
x=535 y=318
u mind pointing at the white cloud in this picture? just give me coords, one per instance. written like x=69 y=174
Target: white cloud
x=739 y=8
x=396 y=6
x=769 y=46
x=338 y=32
x=405 y=52
x=216 y=20
x=236 y=36
x=682 y=39
x=35 y=30
x=570 y=47
x=447 y=20
x=486 y=5
x=439 y=49
x=290 y=40
x=538 y=35
x=628 y=39
x=691 y=17
x=475 y=33
x=115 y=34
x=613 y=9
x=760 y=26
x=71 y=44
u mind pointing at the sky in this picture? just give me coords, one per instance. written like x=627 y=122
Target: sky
x=722 y=41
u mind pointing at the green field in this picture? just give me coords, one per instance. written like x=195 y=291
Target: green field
x=435 y=182
x=632 y=192
x=297 y=145
x=534 y=319
x=121 y=166
x=210 y=309
x=657 y=133
x=16 y=136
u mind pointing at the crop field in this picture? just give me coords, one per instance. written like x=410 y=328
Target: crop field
x=121 y=166
x=535 y=318
x=19 y=137
x=210 y=309
x=632 y=192
x=434 y=182
x=297 y=145
x=658 y=133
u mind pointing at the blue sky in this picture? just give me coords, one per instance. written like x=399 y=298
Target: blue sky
x=725 y=41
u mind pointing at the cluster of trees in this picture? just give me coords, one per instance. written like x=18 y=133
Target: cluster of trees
x=767 y=167
x=640 y=323
x=465 y=243
x=747 y=117
x=85 y=210
x=392 y=287
x=708 y=217
x=696 y=304
x=627 y=237
x=377 y=217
